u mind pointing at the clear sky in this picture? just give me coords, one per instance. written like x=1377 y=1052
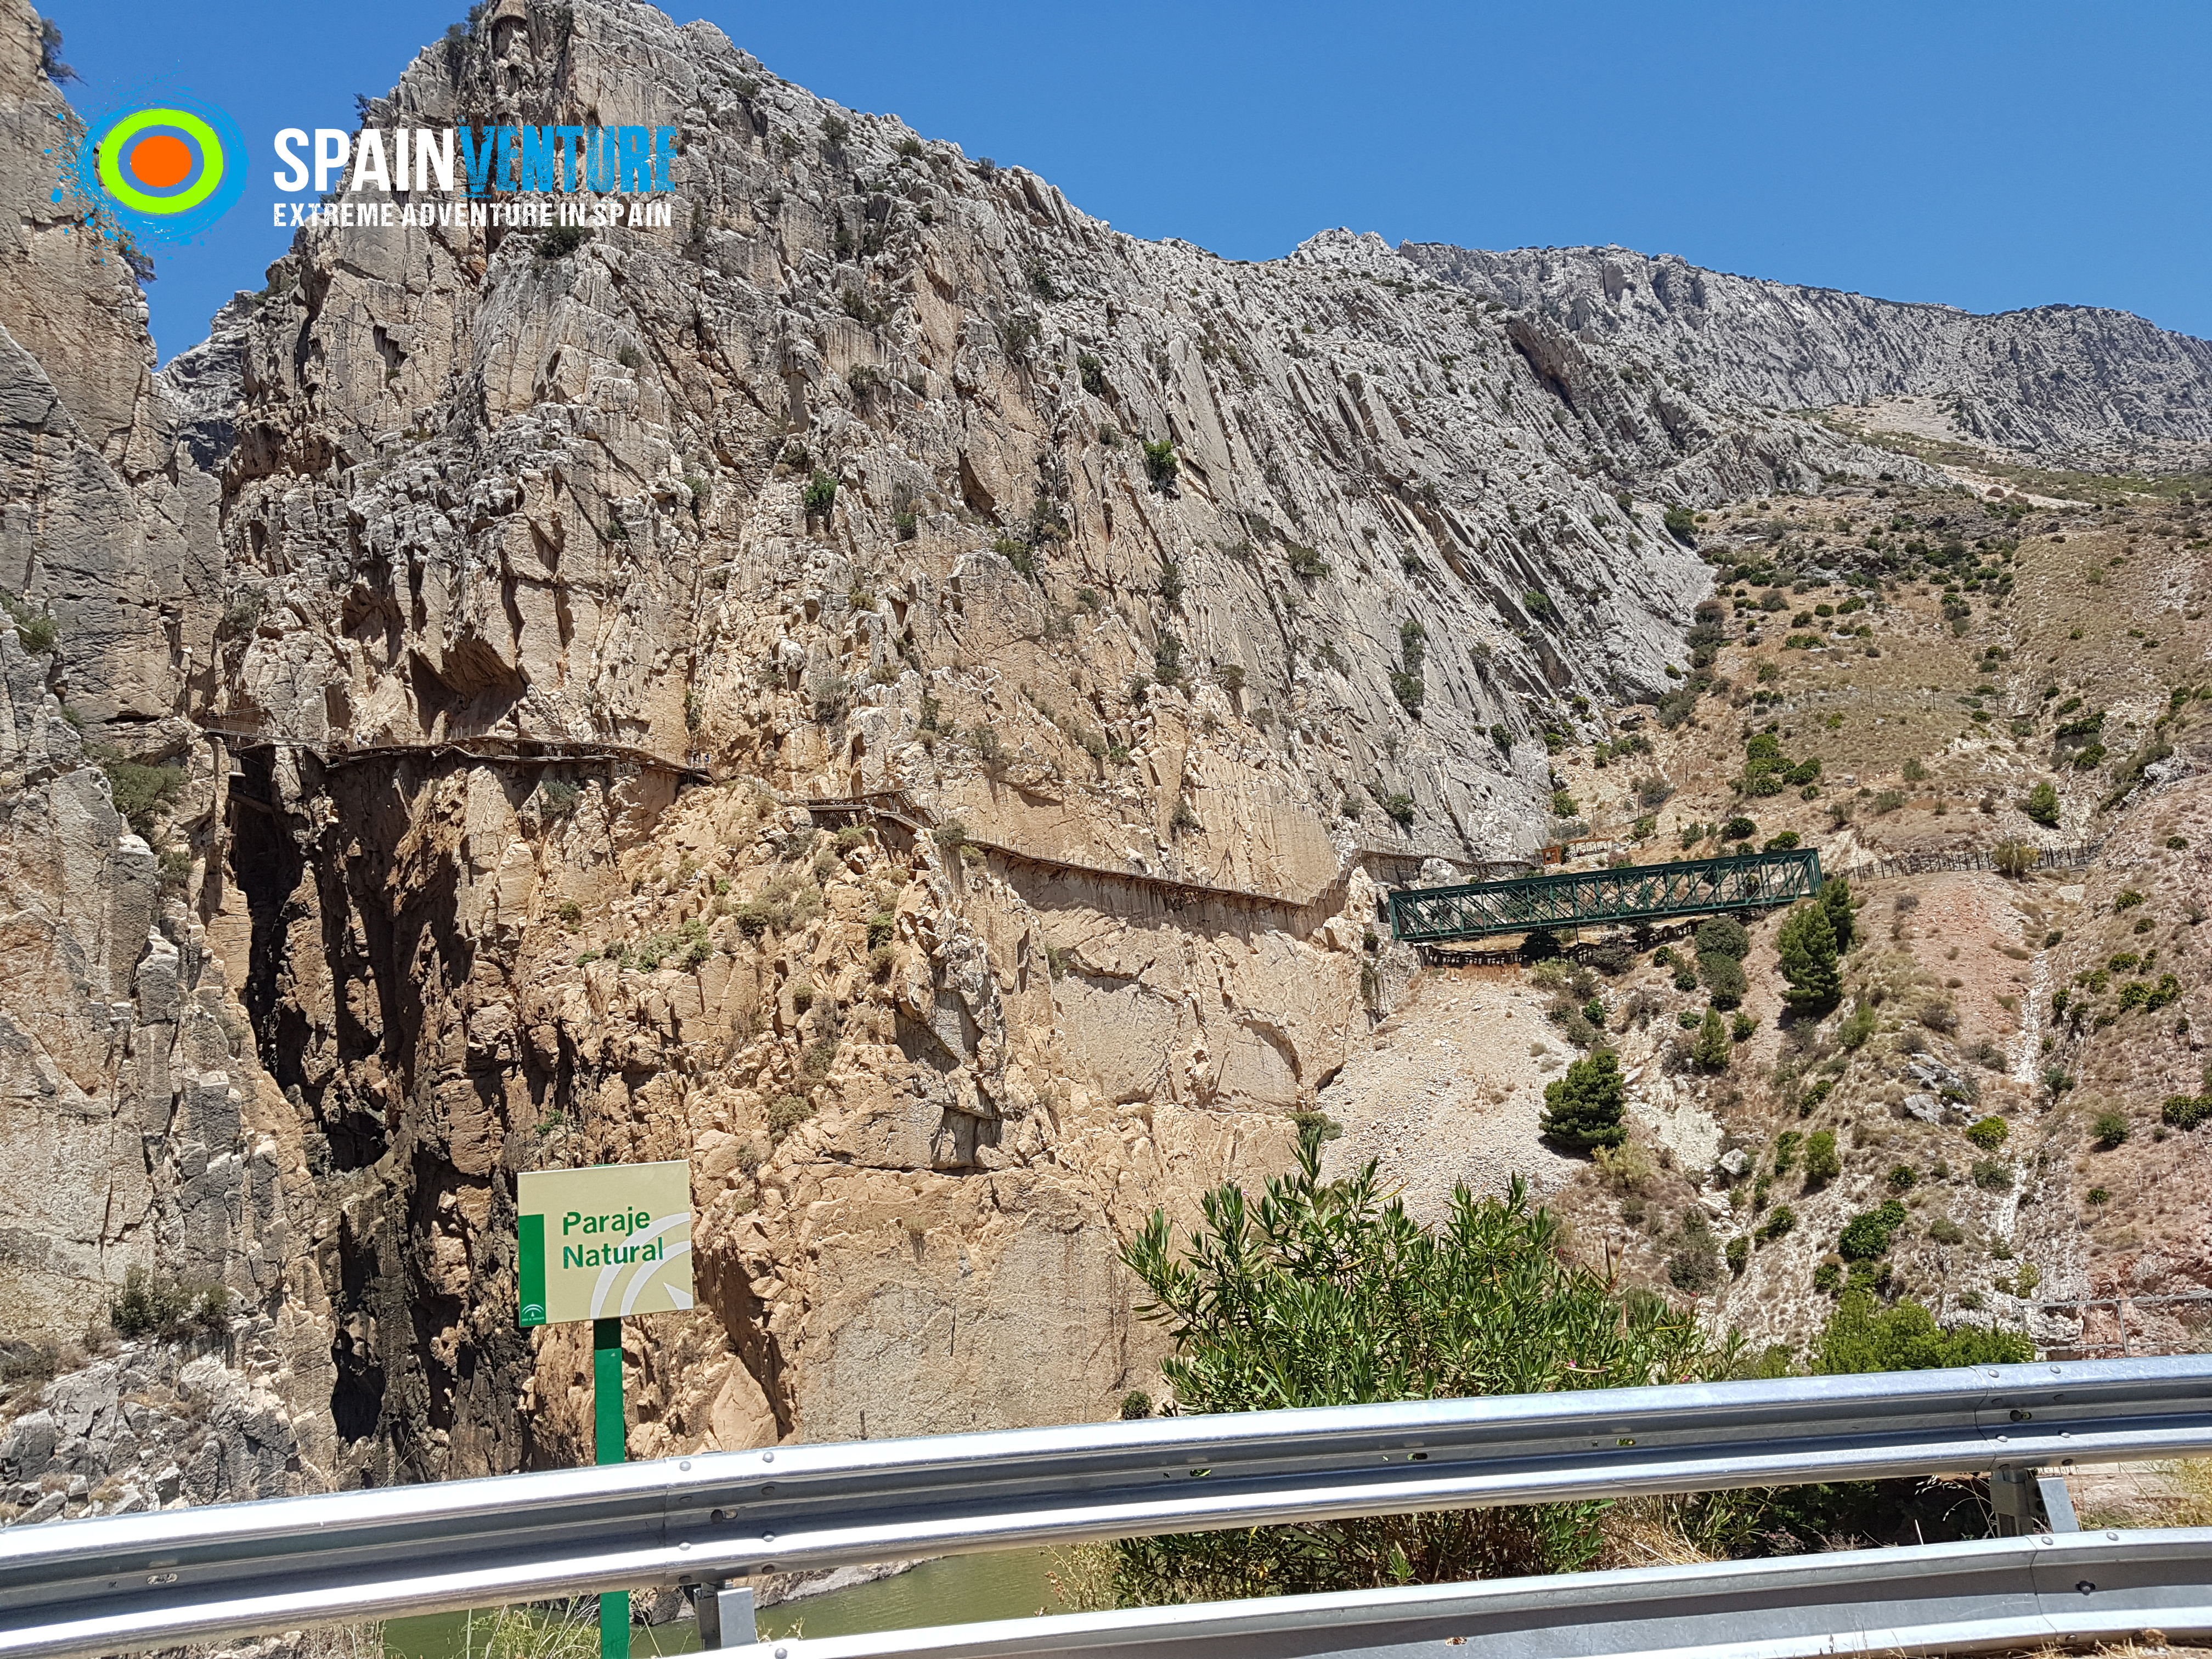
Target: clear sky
x=1988 y=155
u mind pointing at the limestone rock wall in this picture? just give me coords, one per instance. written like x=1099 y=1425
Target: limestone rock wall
x=2082 y=384
x=882 y=687
x=139 y=1134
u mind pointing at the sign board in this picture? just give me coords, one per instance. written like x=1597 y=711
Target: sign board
x=605 y=1242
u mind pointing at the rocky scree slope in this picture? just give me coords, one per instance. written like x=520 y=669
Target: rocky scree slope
x=2016 y=1060
x=2074 y=384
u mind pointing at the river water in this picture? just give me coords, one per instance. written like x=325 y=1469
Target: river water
x=953 y=1590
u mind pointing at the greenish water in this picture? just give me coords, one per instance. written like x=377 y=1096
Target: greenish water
x=955 y=1589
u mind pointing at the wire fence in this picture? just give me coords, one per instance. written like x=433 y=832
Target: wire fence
x=2077 y=857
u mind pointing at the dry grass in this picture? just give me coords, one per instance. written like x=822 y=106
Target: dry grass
x=2192 y=1479
x=1082 y=1579
x=1643 y=1531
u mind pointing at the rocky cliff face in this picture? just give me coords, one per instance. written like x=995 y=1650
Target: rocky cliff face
x=1162 y=578
x=137 y=1134
x=885 y=688
x=2073 y=384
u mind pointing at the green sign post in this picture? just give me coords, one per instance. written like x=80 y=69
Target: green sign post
x=599 y=1244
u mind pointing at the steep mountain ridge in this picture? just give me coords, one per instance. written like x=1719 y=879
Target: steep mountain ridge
x=2079 y=385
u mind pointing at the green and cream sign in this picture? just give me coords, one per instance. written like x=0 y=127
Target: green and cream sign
x=605 y=1242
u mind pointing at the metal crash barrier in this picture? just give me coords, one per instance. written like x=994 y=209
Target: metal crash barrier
x=123 y=1583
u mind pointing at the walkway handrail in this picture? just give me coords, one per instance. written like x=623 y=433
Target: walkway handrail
x=115 y=1583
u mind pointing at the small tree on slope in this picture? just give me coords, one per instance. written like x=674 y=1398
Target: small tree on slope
x=1583 y=1108
x=1807 y=947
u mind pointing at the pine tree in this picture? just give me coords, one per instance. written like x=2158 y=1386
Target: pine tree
x=1711 y=1048
x=1836 y=900
x=1583 y=1108
x=1807 y=946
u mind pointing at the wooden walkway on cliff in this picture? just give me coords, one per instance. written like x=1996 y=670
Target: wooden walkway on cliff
x=896 y=807
x=488 y=748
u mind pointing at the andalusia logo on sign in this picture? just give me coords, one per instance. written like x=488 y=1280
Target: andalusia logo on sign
x=167 y=168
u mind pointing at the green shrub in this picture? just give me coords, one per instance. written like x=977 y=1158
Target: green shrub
x=1786 y=1145
x=1695 y=1265
x=1681 y=523
x=2186 y=1111
x=35 y=630
x=1861 y=1336
x=150 y=1306
x=2041 y=804
x=786 y=1113
x=1780 y=1220
x=2110 y=1129
x=1326 y=1293
x=1398 y=807
x=1989 y=1133
x=1822 y=1162
x=139 y=789
x=820 y=494
x=1992 y=1174
x=1160 y=467
x=1724 y=978
x=557 y=798
x=1868 y=1235
x=1584 y=1109
x=1858 y=1026
x=559 y=241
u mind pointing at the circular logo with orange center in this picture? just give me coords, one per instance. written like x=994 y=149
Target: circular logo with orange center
x=171 y=165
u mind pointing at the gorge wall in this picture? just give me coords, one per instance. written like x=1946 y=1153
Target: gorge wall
x=483 y=608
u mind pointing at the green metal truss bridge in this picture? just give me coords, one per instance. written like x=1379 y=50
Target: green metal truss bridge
x=1631 y=893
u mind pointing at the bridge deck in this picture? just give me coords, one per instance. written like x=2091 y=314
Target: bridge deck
x=1637 y=892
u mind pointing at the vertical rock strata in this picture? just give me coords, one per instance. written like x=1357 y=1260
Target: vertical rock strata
x=137 y=1131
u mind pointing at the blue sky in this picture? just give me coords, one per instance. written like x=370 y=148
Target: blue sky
x=1989 y=156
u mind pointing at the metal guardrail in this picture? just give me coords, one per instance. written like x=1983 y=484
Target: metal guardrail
x=2018 y=1593
x=115 y=1583
x=1629 y=892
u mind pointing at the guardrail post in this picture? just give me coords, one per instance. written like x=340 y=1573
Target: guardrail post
x=726 y=1616
x=2058 y=1502
x=2012 y=1495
